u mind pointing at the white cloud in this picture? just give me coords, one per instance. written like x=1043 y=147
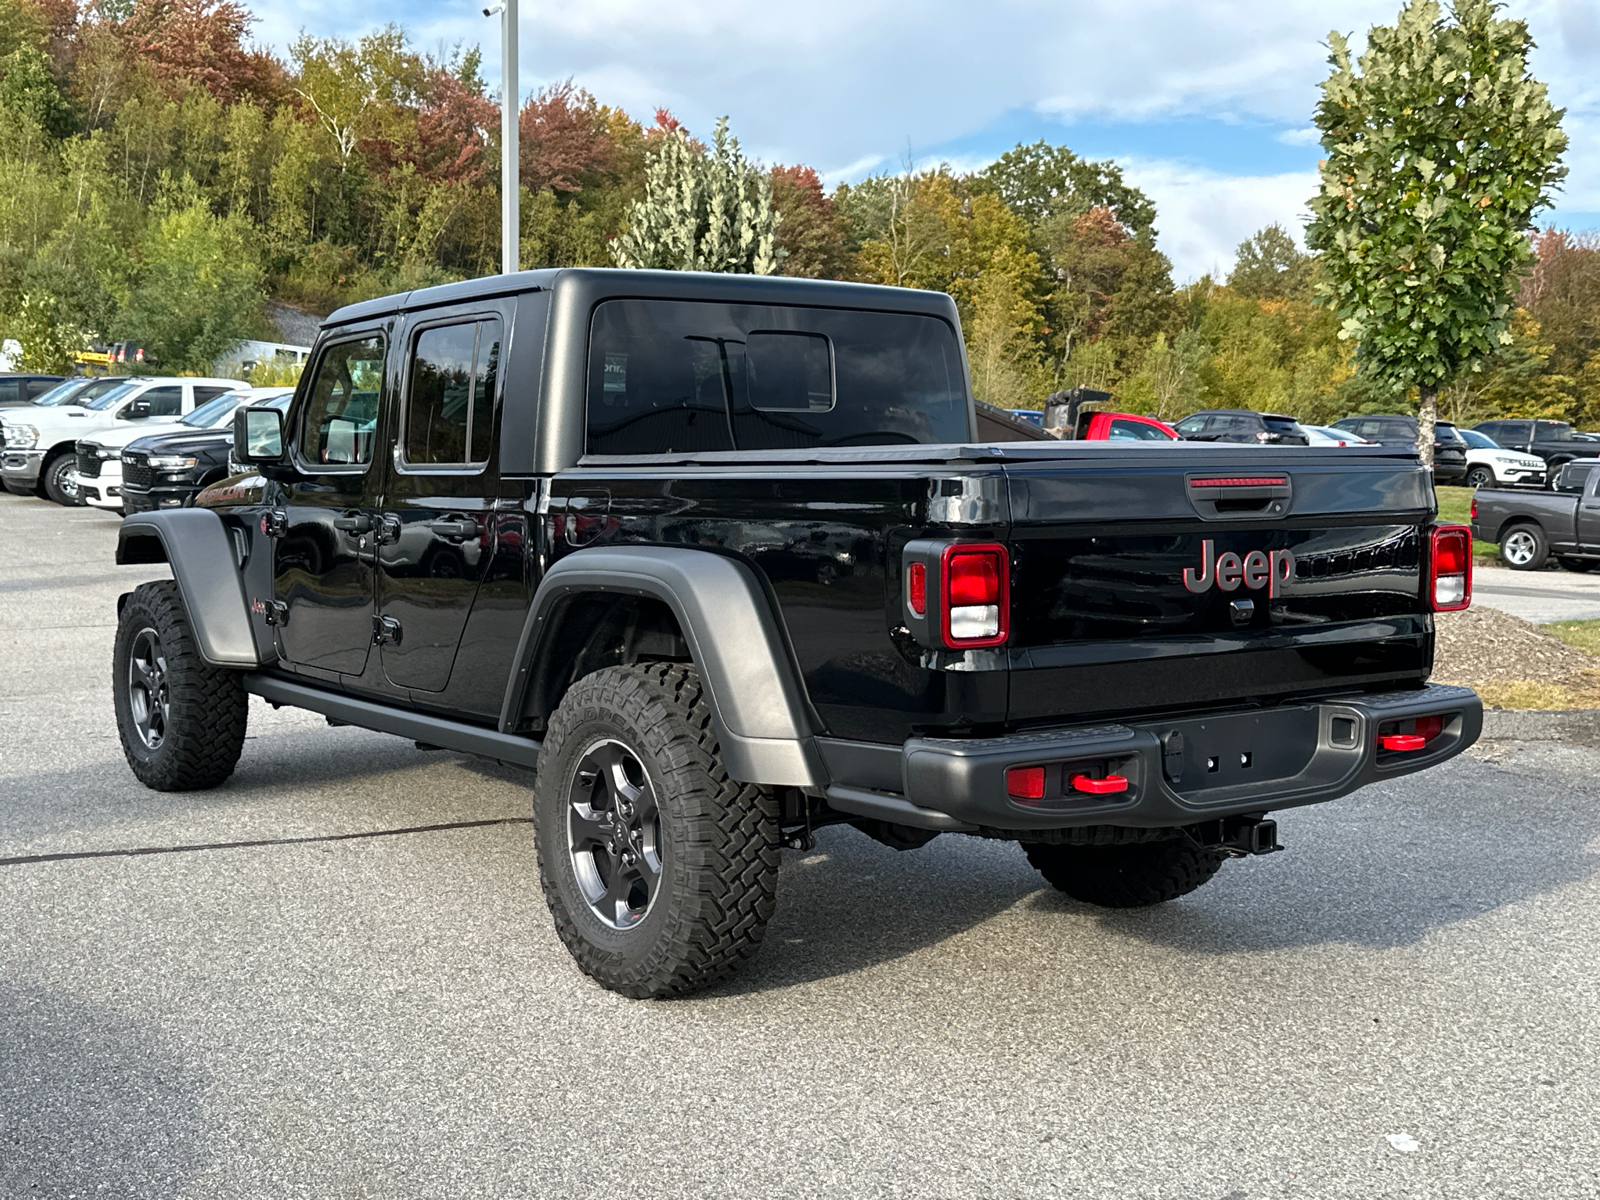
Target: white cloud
x=843 y=85
x=1203 y=216
x=1300 y=137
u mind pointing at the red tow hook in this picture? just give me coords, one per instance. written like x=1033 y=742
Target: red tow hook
x=1402 y=741
x=1100 y=787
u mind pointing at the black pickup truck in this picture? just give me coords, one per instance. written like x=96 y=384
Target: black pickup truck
x=1531 y=526
x=722 y=560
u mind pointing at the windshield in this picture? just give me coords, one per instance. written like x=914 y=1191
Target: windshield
x=1478 y=441
x=106 y=399
x=1446 y=433
x=62 y=392
x=213 y=411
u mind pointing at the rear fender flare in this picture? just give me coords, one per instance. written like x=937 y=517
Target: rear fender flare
x=195 y=543
x=733 y=636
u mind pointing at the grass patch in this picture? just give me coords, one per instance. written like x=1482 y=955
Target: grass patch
x=1581 y=635
x=1455 y=508
x=1527 y=693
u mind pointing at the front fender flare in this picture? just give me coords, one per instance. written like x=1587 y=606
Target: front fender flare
x=196 y=544
x=733 y=635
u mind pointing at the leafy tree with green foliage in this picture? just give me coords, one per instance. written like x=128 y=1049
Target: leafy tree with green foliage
x=1439 y=151
x=703 y=210
x=1041 y=181
x=200 y=294
x=1270 y=266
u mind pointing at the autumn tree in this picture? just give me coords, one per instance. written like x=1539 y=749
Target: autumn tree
x=1440 y=148
x=811 y=234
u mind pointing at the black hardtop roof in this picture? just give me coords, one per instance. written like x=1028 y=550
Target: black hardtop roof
x=1242 y=412
x=611 y=283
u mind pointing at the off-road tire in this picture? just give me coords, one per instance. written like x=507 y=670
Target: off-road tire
x=1479 y=477
x=1134 y=875
x=718 y=838
x=53 y=482
x=1524 y=547
x=207 y=708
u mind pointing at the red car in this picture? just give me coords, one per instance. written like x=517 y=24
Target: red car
x=1123 y=427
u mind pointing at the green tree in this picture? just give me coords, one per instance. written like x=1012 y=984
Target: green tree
x=201 y=289
x=702 y=211
x=1042 y=181
x=1439 y=151
x=1271 y=267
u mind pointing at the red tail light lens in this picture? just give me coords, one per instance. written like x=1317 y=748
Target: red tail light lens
x=1025 y=783
x=1450 y=568
x=917 y=589
x=976 y=595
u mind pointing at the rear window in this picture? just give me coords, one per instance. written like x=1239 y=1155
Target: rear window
x=1282 y=424
x=668 y=376
x=1552 y=431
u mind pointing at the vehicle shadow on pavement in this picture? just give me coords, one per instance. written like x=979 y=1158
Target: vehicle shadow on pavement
x=852 y=904
x=92 y=1103
x=1384 y=874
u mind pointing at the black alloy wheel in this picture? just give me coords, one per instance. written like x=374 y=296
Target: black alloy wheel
x=660 y=871
x=1480 y=477
x=149 y=703
x=614 y=834
x=181 y=720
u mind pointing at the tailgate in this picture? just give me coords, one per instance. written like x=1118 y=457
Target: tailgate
x=1204 y=575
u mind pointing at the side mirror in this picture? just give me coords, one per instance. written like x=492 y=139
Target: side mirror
x=258 y=436
x=136 y=410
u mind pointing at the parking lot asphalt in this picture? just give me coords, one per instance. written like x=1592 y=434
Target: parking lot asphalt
x=1555 y=594
x=1404 y=1004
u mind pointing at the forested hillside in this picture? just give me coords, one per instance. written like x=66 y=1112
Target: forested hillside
x=160 y=178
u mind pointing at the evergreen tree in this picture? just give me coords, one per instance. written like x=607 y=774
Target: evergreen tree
x=702 y=211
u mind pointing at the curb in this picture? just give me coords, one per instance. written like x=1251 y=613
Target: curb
x=1542 y=725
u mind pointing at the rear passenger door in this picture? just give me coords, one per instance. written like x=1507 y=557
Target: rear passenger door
x=436 y=530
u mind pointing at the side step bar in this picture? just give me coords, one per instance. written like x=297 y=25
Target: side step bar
x=504 y=748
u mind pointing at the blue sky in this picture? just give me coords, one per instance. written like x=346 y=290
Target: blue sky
x=1204 y=103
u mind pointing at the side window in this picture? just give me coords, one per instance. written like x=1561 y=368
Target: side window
x=1190 y=426
x=1135 y=431
x=450 y=395
x=164 y=401
x=9 y=389
x=1514 y=431
x=37 y=387
x=341 y=414
x=204 y=394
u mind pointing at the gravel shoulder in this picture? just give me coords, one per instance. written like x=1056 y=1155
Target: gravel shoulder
x=1513 y=663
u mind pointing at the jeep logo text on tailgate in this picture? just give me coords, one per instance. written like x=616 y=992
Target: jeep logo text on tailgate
x=1257 y=569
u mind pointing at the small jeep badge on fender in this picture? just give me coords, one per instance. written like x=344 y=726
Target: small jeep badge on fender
x=1257 y=569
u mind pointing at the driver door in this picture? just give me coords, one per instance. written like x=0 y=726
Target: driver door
x=323 y=568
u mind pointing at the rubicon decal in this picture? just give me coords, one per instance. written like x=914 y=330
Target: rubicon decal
x=1269 y=569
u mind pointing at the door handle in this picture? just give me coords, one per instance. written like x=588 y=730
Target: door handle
x=353 y=523
x=455 y=531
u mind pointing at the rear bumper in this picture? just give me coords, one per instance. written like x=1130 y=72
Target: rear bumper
x=1178 y=772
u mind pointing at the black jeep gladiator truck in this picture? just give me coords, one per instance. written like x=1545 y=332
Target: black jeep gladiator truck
x=722 y=560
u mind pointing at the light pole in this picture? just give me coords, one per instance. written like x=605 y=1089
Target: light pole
x=510 y=173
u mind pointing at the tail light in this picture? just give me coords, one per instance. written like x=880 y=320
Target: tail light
x=1450 y=568
x=975 y=595
x=1025 y=783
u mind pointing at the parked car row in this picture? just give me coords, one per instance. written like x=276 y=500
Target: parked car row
x=126 y=444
